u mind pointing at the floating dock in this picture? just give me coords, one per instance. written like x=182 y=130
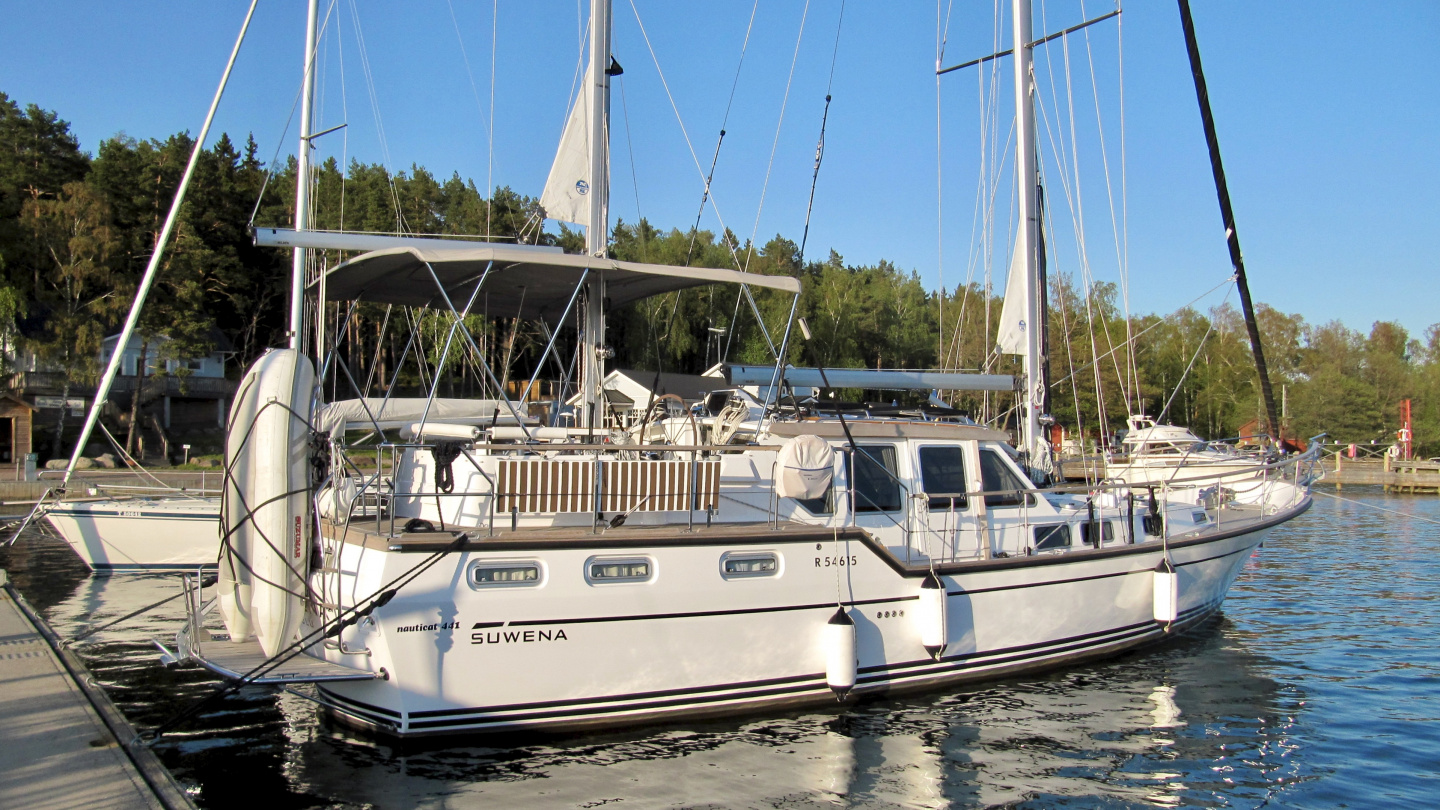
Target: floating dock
x=63 y=744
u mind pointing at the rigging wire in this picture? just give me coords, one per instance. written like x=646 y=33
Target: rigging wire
x=942 y=36
x=1158 y=323
x=284 y=133
x=490 y=132
x=375 y=112
x=1198 y=348
x=724 y=121
x=1420 y=518
x=779 y=124
x=469 y=73
x=820 y=146
x=1131 y=395
x=734 y=257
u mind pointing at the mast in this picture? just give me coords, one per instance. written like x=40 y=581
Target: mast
x=302 y=176
x=592 y=342
x=1227 y=215
x=1032 y=439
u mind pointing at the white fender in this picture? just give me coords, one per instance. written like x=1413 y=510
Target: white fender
x=267 y=501
x=840 y=661
x=1167 y=593
x=930 y=615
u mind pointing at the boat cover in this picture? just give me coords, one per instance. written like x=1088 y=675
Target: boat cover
x=521 y=283
x=356 y=414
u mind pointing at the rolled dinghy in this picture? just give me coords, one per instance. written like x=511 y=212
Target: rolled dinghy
x=267 y=509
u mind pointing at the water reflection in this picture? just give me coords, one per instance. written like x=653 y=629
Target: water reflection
x=1257 y=707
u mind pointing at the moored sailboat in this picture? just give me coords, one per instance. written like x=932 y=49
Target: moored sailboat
x=536 y=575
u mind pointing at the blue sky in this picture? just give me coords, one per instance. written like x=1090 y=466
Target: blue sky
x=1327 y=115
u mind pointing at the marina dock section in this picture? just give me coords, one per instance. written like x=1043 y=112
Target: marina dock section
x=63 y=744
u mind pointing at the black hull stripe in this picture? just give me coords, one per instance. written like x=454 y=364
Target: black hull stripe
x=780 y=686
x=704 y=613
x=1215 y=557
x=691 y=690
x=1007 y=651
x=810 y=685
x=1024 y=585
x=360 y=706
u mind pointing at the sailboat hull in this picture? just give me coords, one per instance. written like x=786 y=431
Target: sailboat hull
x=152 y=534
x=568 y=653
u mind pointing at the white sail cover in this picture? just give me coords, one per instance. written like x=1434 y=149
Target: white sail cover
x=806 y=464
x=567 y=188
x=399 y=412
x=1011 y=338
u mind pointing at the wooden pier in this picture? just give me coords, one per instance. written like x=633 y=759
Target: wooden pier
x=63 y=744
x=1394 y=475
x=1414 y=477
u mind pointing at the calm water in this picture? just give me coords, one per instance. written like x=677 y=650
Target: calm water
x=1316 y=688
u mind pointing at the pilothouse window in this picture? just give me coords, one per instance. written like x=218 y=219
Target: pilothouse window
x=997 y=477
x=873 y=471
x=942 y=471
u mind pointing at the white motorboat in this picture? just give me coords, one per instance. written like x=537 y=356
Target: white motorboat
x=527 y=576
x=1154 y=454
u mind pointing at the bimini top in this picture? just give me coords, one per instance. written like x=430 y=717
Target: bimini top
x=522 y=282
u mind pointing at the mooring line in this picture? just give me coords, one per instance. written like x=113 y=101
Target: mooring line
x=1381 y=508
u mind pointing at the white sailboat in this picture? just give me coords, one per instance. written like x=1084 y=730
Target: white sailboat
x=527 y=576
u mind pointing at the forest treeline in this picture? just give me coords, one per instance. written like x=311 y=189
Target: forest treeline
x=77 y=230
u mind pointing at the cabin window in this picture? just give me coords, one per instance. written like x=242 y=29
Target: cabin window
x=997 y=477
x=1052 y=537
x=743 y=565
x=942 y=472
x=639 y=569
x=873 y=472
x=506 y=574
x=1106 y=531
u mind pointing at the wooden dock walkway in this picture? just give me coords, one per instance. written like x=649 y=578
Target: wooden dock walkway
x=1410 y=477
x=62 y=742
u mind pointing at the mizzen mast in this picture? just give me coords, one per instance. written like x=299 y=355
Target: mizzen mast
x=592 y=339
x=302 y=176
x=1027 y=242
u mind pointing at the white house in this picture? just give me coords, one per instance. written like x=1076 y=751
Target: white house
x=212 y=365
x=628 y=392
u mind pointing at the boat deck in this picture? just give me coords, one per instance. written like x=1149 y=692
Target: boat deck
x=364 y=532
x=62 y=742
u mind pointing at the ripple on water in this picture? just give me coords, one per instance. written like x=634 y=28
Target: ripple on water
x=1317 y=687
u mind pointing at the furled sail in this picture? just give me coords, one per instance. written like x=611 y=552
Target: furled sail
x=1011 y=338
x=567 y=188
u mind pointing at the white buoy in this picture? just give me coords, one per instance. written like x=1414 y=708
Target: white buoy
x=266 y=511
x=930 y=614
x=1167 y=593
x=840 y=661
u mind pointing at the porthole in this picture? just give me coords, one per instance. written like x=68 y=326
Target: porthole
x=505 y=574
x=606 y=570
x=749 y=564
